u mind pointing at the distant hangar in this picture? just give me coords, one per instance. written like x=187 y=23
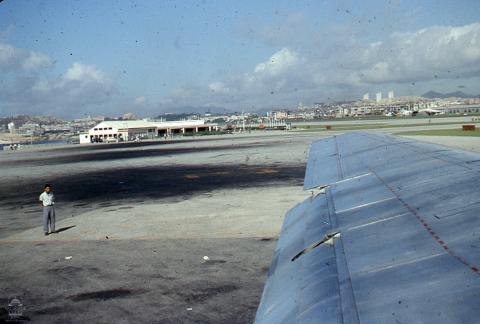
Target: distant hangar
x=127 y=130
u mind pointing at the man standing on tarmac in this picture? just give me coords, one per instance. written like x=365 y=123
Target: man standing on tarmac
x=48 y=202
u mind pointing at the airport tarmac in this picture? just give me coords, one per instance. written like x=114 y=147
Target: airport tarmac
x=137 y=219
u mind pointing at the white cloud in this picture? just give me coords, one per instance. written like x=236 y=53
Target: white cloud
x=344 y=66
x=441 y=51
x=77 y=80
x=267 y=83
x=307 y=65
x=80 y=84
x=140 y=100
x=283 y=69
x=8 y=55
x=84 y=73
x=218 y=87
x=80 y=87
x=29 y=88
x=279 y=63
x=36 y=61
x=13 y=59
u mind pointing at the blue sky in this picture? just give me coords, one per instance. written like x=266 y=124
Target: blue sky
x=73 y=58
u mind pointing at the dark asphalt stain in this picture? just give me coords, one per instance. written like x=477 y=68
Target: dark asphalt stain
x=104 y=294
x=130 y=185
x=98 y=156
x=124 y=145
x=211 y=262
x=102 y=187
x=267 y=239
x=53 y=310
x=105 y=204
x=80 y=205
x=160 y=276
x=202 y=294
x=70 y=271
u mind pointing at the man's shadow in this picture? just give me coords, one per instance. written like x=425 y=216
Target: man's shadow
x=64 y=228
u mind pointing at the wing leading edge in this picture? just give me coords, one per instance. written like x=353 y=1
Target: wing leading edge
x=394 y=237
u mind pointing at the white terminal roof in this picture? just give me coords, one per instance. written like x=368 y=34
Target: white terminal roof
x=122 y=124
x=179 y=123
x=126 y=124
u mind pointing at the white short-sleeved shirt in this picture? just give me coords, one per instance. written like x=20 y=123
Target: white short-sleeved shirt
x=47 y=199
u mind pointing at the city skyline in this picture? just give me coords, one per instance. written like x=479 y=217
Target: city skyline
x=72 y=59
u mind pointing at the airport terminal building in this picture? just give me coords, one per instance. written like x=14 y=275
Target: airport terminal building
x=128 y=130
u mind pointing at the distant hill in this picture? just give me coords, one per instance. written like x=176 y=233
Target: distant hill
x=460 y=94
x=19 y=120
x=456 y=94
x=433 y=95
x=189 y=110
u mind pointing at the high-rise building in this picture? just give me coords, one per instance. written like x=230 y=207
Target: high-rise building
x=390 y=95
x=378 y=96
x=366 y=96
x=11 y=127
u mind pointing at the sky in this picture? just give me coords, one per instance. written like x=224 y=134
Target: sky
x=72 y=59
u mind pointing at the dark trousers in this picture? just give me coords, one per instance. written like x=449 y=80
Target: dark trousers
x=49 y=218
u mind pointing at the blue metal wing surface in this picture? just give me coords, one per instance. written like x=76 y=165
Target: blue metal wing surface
x=394 y=237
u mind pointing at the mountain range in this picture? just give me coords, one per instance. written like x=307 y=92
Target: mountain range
x=456 y=94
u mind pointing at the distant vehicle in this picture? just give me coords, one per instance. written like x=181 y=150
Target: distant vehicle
x=111 y=140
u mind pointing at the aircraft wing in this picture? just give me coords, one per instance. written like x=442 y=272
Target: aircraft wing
x=394 y=237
